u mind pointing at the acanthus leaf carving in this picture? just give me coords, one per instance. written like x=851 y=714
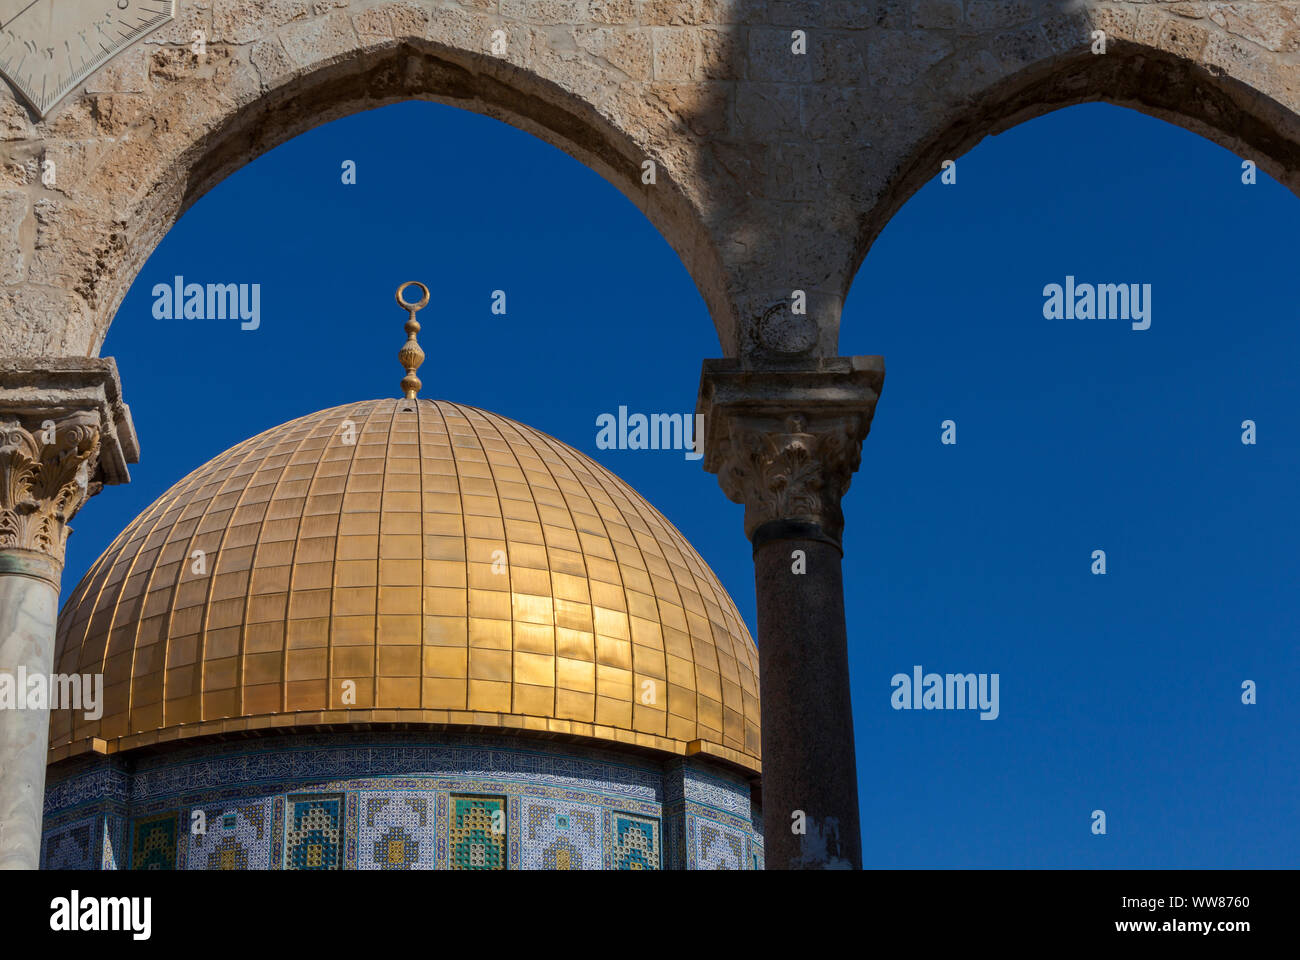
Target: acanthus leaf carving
x=796 y=468
x=45 y=471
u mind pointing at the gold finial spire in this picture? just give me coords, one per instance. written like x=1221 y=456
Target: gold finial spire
x=411 y=356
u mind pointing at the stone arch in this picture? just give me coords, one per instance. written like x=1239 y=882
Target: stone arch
x=774 y=170
x=159 y=126
x=1213 y=76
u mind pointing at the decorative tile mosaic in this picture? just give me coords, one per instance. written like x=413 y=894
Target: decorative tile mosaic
x=153 y=842
x=277 y=832
x=113 y=834
x=350 y=829
x=316 y=757
x=756 y=840
x=313 y=839
x=72 y=847
x=689 y=846
x=687 y=779
x=94 y=780
x=396 y=831
x=234 y=838
x=512 y=830
x=440 y=817
x=561 y=836
x=674 y=835
x=350 y=768
x=478 y=833
x=636 y=842
x=720 y=848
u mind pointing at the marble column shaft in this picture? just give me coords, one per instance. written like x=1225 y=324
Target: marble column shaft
x=64 y=433
x=28 y=607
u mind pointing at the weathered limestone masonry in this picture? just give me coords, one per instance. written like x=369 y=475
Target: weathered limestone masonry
x=774 y=170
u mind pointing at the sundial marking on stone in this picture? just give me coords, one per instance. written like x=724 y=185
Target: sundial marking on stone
x=47 y=47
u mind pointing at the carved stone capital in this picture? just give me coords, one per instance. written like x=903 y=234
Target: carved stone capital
x=64 y=433
x=785 y=442
x=45 y=472
x=794 y=469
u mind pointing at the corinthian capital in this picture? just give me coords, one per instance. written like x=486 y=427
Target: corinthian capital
x=64 y=433
x=45 y=472
x=785 y=442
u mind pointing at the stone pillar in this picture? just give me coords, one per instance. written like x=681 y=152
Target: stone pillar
x=785 y=442
x=64 y=432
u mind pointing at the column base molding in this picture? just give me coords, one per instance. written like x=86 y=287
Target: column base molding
x=31 y=563
x=775 y=530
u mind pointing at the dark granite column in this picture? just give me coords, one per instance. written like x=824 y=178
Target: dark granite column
x=785 y=443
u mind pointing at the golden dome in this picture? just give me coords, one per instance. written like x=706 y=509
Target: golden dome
x=457 y=567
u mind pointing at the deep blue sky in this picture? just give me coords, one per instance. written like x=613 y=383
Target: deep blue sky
x=1119 y=692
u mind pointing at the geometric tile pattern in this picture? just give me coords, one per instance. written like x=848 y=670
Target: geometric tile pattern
x=385 y=801
x=674 y=836
x=448 y=562
x=72 y=848
x=153 y=843
x=561 y=835
x=636 y=842
x=478 y=833
x=720 y=848
x=234 y=838
x=349 y=830
x=314 y=836
x=396 y=831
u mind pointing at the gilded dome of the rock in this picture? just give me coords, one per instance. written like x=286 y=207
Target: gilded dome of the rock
x=408 y=561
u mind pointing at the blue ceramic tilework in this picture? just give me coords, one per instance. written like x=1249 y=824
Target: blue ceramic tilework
x=350 y=828
x=155 y=841
x=441 y=814
x=277 y=832
x=724 y=793
x=583 y=789
x=94 y=779
x=697 y=796
x=720 y=848
x=72 y=847
x=478 y=833
x=636 y=842
x=342 y=757
x=561 y=835
x=235 y=837
x=314 y=832
x=396 y=830
x=674 y=835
